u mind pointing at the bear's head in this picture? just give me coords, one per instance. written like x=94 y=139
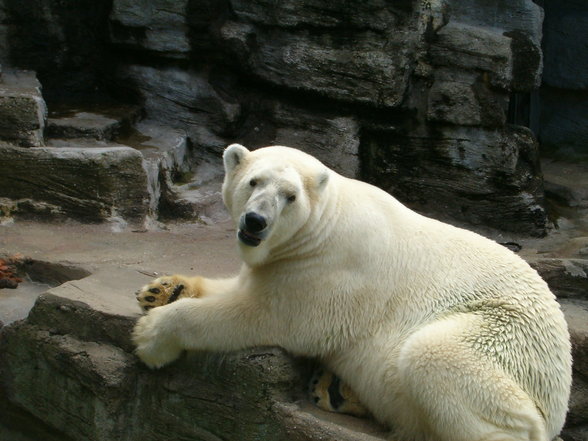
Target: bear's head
x=271 y=193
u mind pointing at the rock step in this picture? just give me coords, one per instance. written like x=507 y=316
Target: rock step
x=76 y=338
x=23 y=112
x=100 y=122
x=129 y=180
x=88 y=184
x=198 y=196
x=185 y=186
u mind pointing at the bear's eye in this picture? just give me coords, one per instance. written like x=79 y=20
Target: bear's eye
x=253 y=183
x=291 y=198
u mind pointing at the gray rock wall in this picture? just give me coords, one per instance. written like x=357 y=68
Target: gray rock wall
x=411 y=96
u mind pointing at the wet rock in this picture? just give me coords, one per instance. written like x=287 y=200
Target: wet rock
x=22 y=109
x=86 y=184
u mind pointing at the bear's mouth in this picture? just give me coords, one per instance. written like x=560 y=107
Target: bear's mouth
x=248 y=238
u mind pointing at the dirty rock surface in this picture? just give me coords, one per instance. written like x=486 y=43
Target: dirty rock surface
x=69 y=372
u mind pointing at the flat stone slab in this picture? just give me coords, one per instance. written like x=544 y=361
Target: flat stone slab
x=87 y=184
x=22 y=109
x=100 y=123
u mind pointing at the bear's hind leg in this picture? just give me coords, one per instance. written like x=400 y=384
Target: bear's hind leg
x=462 y=395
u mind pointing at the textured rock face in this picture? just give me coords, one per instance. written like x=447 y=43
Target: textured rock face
x=94 y=184
x=425 y=87
x=23 y=112
x=422 y=89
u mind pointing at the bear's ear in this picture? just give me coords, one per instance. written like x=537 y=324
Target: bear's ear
x=233 y=156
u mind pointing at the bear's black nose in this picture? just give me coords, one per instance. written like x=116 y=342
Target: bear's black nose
x=254 y=222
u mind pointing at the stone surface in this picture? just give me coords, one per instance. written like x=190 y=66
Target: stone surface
x=77 y=341
x=473 y=48
x=564 y=93
x=23 y=112
x=158 y=26
x=323 y=77
x=565 y=34
x=101 y=123
x=576 y=312
x=88 y=184
x=520 y=15
x=563 y=123
x=57 y=339
x=363 y=67
x=183 y=99
x=568 y=278
x=462 y=174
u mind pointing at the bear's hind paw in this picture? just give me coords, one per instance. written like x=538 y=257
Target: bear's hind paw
x=329 y=393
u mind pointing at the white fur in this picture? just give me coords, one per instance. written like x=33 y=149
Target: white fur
x=443 y=334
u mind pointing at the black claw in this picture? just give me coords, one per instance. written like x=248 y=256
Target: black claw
x=154 y=290
x=177 y=291
x=149 y=299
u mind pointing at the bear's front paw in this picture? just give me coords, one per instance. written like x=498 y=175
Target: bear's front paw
x=163 y=291
x=155 y=340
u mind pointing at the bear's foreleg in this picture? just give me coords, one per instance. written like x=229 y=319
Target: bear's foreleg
x=228 y=320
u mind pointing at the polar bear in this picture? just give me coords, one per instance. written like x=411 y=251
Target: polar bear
x=443 y=334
